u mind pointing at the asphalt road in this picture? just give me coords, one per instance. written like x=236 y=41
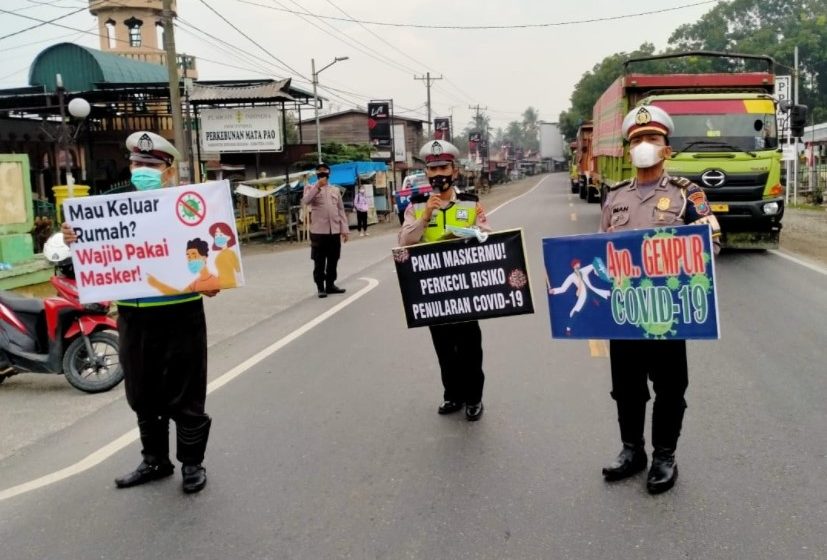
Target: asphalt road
x=329 y=446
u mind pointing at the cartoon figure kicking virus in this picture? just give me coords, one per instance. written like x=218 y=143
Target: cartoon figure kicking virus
x=579 y=278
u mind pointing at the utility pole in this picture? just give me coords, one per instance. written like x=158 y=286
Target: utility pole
x=795 y=141
x=428 y=80
x=174 y=82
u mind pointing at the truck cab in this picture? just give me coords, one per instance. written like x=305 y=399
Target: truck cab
x=728 y=145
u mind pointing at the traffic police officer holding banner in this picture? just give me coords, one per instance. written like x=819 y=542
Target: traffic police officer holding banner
x=163 y=350
x=459 y=345
x=651 y=199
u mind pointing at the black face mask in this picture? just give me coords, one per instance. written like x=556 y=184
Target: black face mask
x=441 y=182
x=322 y=175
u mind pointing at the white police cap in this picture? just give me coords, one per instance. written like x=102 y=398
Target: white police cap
x=438 y=152
x=148 y=147
x=647 y=119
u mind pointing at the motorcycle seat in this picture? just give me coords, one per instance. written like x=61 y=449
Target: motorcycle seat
x=21 y=304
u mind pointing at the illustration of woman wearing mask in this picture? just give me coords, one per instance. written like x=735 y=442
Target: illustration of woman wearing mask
x=226 y=262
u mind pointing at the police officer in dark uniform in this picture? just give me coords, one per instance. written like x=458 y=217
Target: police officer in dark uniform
x=163 y=350
x=651 y=199
x=459 y=345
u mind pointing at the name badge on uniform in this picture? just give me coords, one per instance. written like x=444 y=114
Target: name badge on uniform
x=462 y=214
x=664 y=203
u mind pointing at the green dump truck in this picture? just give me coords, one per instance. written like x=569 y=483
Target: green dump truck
x=725 y=140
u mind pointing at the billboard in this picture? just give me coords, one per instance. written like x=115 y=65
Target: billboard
x=241 y=130
x=442 y=129
x=379 y=125
x=399 y=151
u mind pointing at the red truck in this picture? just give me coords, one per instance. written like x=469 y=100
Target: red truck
x=725 y=139
x=586 y=186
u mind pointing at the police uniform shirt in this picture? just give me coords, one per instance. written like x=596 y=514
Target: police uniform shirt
x=413 y=228
x=674 y=201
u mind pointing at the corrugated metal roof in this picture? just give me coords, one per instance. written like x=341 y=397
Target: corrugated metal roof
x=82 y=67
x=273 y=91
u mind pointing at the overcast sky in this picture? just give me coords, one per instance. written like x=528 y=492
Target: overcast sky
x=504 y=70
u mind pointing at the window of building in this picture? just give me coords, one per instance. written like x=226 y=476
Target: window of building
x=110 y=33
x=134 y=26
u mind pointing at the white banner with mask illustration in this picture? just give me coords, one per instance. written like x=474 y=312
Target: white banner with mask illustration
x=155 y=242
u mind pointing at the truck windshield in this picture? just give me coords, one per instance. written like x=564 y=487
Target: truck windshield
x=745 y=124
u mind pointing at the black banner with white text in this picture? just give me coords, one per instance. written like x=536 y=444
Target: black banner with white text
x=464 y=279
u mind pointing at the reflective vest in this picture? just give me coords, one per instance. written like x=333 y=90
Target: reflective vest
x=462 y=213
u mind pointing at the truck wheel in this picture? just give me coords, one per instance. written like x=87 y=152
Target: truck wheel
x=97 y=373
x=591 y=196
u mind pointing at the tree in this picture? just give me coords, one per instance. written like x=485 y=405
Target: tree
x=334 y=152
x=593 y=84
x=531 y=140
x=774 y=28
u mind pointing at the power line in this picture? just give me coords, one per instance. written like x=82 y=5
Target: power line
x=228 y=22
x=403 y=53
x=41 y=21
x=249 y=54
x=43 y=41
x=349 y=40
x=489 y=27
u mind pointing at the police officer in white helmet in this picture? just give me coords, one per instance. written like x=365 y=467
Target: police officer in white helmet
x=651 y=199
x=163 y=349
x=458 y=346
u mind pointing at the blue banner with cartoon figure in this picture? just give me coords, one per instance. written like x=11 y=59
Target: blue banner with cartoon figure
x=640 y=284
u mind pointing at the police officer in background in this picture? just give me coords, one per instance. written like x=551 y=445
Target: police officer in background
x=651 y=199
x=163 y=350
x=459 y=345
x=328 y=230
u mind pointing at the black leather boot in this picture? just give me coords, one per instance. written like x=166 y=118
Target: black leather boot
x=447 y=407
x=195 y=478
x=156 y=464
x=664 y=471
x=630 y=461
x=192 y=444
x=334 y=289
x=473 y=412
x=632 y=458
x=145 y=472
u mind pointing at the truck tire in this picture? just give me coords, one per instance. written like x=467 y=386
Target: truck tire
x=98 y=373
x=592 y=196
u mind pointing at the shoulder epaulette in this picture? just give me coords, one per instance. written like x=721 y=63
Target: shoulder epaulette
x=467 y=196
x=681 y=182
x=620 y=185
x=419 y=198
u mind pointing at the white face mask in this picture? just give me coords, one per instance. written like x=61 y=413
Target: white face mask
x=646 y=155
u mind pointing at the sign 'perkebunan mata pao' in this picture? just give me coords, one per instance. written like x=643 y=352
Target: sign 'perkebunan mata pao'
x=464 y=279
x=638 y=284
x=154 y=243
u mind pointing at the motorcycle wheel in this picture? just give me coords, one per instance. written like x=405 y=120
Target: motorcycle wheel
x=93 y=374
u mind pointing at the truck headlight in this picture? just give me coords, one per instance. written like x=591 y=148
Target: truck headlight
x=771 y=209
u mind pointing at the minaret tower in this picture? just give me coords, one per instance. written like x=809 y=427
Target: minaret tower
x=133 y=28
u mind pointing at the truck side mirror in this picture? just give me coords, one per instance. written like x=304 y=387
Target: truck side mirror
x=798 y=120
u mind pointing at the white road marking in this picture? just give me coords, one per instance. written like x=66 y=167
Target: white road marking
x=102 y=454
x=529 y=191
x=812 y=266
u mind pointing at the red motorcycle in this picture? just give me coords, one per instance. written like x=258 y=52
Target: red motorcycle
x=59 y=334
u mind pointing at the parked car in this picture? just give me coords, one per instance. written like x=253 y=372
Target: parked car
x=411 y=185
